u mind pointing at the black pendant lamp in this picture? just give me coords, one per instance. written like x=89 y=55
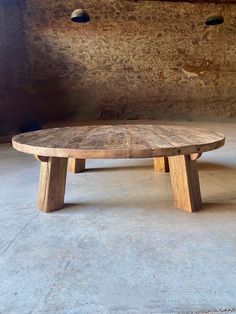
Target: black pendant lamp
x=80 y=15
x=214 y=19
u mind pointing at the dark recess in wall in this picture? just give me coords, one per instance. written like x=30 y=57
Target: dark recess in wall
x=13 y=65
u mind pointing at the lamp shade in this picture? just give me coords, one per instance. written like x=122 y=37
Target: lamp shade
x=80 y=16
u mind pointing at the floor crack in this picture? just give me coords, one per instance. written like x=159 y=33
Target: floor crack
x=17 y=235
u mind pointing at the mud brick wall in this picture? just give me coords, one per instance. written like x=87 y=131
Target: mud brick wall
x=135 y=60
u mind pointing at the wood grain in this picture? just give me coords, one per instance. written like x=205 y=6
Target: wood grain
x=161 y=164
x=52 y=184
x=76 y=165
x=195 y=156
x=118 y=141
x=185 y=183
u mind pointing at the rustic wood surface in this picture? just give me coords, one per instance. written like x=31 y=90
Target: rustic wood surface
x=76 y=165
x=118 y=141
x=52 y=183
x=185 y=183
x=161 y=164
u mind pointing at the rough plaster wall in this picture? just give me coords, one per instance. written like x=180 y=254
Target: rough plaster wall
x=129 y=60
x=134 y=60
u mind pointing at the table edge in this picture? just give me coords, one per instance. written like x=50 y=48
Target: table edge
x=117 y=154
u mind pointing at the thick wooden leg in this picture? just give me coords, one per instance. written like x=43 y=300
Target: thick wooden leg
x=76 y=165
x=185 y=182
x=161 y=164
x=52 y=183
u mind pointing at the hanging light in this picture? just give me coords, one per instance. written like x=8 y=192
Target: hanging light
x=214 y=19
x=80 y=16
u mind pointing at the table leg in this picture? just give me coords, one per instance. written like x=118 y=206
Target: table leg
x=161 y=164
x=185 y=182
x=76 y=165
x=52 y=183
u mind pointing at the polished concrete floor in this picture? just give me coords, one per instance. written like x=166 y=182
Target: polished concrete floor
x=119 y=246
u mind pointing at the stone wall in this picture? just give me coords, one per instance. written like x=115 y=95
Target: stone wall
x=134 y=60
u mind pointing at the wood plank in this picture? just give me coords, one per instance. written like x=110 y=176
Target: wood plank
x=118 y=141
x=76 y=165
x=52 y=184
x=185 y=183
x=161 y=164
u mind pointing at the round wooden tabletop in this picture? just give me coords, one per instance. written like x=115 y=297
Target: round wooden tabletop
x=118 y=141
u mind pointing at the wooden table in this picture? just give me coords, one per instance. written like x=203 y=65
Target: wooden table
x=173 y=148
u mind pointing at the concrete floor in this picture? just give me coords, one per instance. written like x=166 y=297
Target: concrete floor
x=119 y=246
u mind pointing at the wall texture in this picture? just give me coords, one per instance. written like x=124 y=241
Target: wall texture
x=134 y=60
x=13 y=66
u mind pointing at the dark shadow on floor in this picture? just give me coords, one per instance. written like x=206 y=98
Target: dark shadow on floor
x=211 y=166
x=218 y=207
x=129 y=167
